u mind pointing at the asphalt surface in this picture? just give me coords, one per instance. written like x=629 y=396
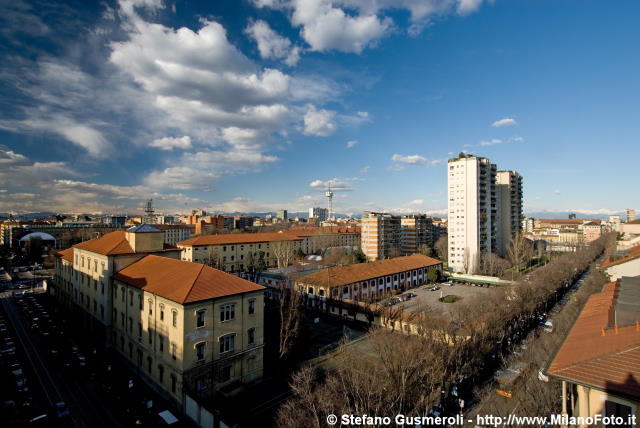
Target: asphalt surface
x=86 y=408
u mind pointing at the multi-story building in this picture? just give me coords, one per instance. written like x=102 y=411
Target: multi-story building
x=614 y=223
x=83 y=280
x=320 y=214
x=598 y=361
x=242 y=222
x=174 y=233
x=65 y=233
x=527 y=225
x=472 y=208
x=509 y=208
x=318 y=239
x=381 y=233
x=233 y=252
x=368 y=280
x=282 y=215
x=189 y=329
x=591 y=231
x=631 y=214
x=416 y=230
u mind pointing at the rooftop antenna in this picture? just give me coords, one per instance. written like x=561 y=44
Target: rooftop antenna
x=329 y=195
x=148 y=209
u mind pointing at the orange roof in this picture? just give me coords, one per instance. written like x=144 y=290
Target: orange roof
x=634 y=253
x=342 y=275
x=66 y=254
x=568 y=220
x=237 y=238
x=634 y=221
x=604 y=361
x=110 y=244
x=181 y=281
x=320 y=230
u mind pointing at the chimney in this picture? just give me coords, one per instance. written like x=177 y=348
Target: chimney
x=603 y=331
x=616 y=328
x=637 y=325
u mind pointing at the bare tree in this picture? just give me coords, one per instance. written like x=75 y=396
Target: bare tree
x=425 y=250
x=290 y=311
x=284 y=252
x=519 y=250
x=213 y=259
x=441 y=247
x=394 y=252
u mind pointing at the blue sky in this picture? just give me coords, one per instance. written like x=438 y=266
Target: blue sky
x=239 y=105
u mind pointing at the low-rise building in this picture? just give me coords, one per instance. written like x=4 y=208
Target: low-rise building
x=368 y=280
x=189 y=329
x=631 y=227
x=233 y=252
x=174 y=233
x=318 y=239
x=622 y=263
x=598 y=362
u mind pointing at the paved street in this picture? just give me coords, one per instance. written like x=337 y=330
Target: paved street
x=86 y=408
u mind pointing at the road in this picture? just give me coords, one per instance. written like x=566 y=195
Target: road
x=86 y=408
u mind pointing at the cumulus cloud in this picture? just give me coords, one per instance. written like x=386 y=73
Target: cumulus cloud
x=271 y=44
x=366 y=169
x=319 y=122
x=169 y=143
x=507 y=121
x=409 y=160
x=491 y=142
x=351 y=144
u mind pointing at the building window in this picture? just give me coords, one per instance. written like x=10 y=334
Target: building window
x=149 y=365
x=226 y=373
x=122 y=319
x=200 y=318
x=200 y=384
x=252 y=306
x=101 y=287
x=95 y=305
x=227 y=312
x=95 y=266
x=227 y=343
x=161 y=312
x=200 y=351
x=139 y=331
x=122 y=292
x=174 y=316
x=140 y=301
x=150 y=307
x=161 y=343
x=173 y=384
x=173 y=350
x=251 y=335
x=130 y=298
x=150 y=336
x=160 y=374
x=130 y=325
x=102 y=311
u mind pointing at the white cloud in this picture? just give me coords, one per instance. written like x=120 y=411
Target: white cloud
x=396 y=167
x=169 y=143
x=271 y=44
x=516 y=140
x=337 y=184
x=491 y=142
x=319 y=122
x=366 y=169
x=507 y=121
x=466 y=7
x=409 y=160
x=351 y=144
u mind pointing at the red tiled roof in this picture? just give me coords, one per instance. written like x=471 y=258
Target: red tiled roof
x=342 y=275
x=604 y=361
x=110 y=244
x=237 y=238
x=634 y=221
x=66 y=254
x=182 y=281
x=569 y=220
x=634 y=253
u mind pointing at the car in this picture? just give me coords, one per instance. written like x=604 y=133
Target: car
x=548 y=327
x=61 y=410
x=411 y=295
x=435 y=288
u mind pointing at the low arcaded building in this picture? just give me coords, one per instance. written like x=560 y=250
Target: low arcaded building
x=368 y=280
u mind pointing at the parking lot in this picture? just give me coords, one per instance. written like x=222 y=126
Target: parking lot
x=427 y=299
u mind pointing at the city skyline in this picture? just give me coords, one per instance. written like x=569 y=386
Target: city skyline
x=255 y=106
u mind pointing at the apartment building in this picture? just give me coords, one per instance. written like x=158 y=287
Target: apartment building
x=318 y=239
x=83 y=281
x=320 y=214
x=282 y=215
x=174 y=233
x=189 y=329
x=232 y=252
x=416 y=230
x=509 y=208
x=472 y=208
x=368 y=280
x=598 y=361
x=381 y=232
x=631 y=215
